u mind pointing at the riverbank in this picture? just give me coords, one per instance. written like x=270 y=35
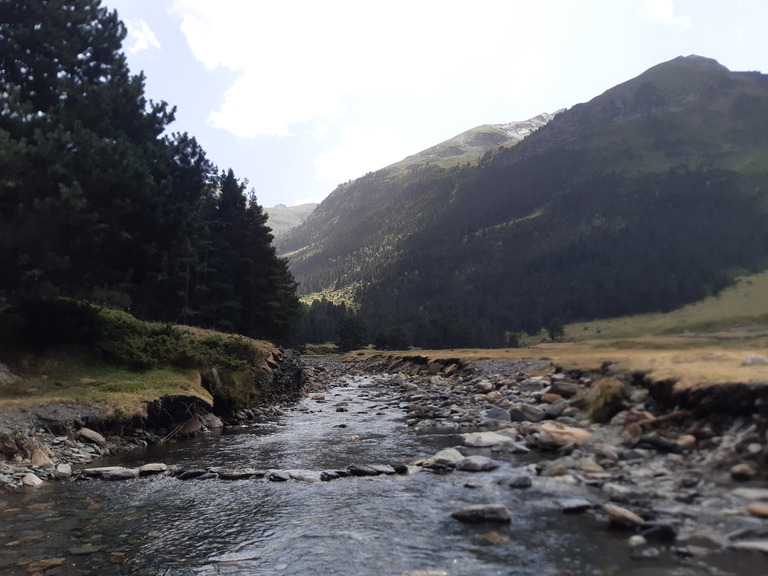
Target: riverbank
x=664 y=481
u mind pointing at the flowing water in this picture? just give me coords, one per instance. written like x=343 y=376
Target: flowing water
x=396 y=524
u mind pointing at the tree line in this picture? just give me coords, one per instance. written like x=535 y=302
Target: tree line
x=98 y=202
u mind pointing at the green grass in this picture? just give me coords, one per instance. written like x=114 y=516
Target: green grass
x=738 y=308
x=70 y=352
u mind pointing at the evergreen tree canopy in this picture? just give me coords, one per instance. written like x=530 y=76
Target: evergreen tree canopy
x=96 y=202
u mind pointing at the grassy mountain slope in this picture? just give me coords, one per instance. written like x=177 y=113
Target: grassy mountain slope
x=650 y=196
x=283 y=218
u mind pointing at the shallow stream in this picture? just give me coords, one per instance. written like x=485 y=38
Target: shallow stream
x=395 y=524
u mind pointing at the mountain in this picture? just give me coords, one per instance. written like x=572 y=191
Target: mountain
x=282 y=218
x=649 y=196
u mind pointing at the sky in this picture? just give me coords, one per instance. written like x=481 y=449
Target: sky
x=299 y=96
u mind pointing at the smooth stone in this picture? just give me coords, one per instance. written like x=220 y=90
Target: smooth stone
x=635 y=541
x=484 y=439
x=87 y=549
x=97 y=472
x=622 y=493
x=92 y=436
x=477 y=464
x=751 y=493
x=63 y=470
x=754 y=545
x=383 y=469
x=743 y=472
x=575 y=505
x=191 y=474
x=356 y=470
x=758 y=509
x=478 y=513
x=229 y=474
x=447 y=457
x=622 y=517
x=278 y=476
x=152 y=468
x=309 y=476
x=522 y=412
x=559 y=434
x=520 y=482
x=31 y=480
x=121 y=474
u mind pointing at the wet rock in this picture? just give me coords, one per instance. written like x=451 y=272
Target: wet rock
x=152 y=468
x=485 y=439
x=658 y=531
x=191 y=474
x=656 y=442
x=212 y=422
x=328 y=475
x=278 y=476
x=383 y=469
x=743 y=472
x=574 y=505
x=476 y=464
x=621 y=517
x=479 y=513
x=520 y=482
x=120 y=474
x=355 y=470
x=636 y=541
x=753 y=545
x=751 y=493
x=309 y=476
x=446 y=457
x=623 y=493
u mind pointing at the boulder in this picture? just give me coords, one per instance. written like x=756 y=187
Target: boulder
x=41 y=459
x=92 y=436
x=31 y=480
x=121 y=474
x=498 y=414
x=478 y=513
x=152 y=468
x=521 y=412
x=63 y=470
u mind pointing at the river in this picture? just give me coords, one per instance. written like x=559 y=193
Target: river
x=388 y=524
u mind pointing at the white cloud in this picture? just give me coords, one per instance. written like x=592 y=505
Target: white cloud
x=308 y=61
x=349 y=159
x=664 y=11
x=142 y=36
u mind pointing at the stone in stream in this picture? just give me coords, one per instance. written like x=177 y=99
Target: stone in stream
x=278 y=476
x=355 y=470
x=120 y=474
x=574 y=505
x=191 y=474
x=743 y=472
x=152 y=468
x=520 y=482
x=31 y=480
x=478 y=513
x=485 y=439
x=383 y=469
x=621 y=517
x=476 y=464
x=658 y=531
x=446 y=457
x=63 y=470
x=522 y=412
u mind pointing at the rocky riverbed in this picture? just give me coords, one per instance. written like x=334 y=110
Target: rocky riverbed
x=657 y=476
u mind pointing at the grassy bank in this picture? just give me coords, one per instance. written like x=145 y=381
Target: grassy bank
x=68 y=352
x=699 y=345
